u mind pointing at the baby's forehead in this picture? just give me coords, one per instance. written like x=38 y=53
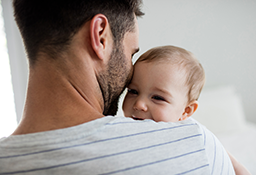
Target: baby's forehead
x=164 y=66
x=173 y=64
x=175 y=59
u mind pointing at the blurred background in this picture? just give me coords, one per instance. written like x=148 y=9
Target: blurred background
x=220 y=33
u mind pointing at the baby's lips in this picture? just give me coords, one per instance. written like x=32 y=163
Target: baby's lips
x=136 y=118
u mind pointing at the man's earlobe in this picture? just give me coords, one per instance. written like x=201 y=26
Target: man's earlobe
x=100 y=35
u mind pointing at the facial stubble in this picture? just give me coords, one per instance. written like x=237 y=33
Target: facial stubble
x=114 y=80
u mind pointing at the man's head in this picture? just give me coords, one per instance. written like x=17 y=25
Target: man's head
x=165 y=86
x=48 y=26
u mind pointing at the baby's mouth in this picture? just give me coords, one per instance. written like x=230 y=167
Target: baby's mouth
x=136 y=118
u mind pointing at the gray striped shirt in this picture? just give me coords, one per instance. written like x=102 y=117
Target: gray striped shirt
x=117 y=145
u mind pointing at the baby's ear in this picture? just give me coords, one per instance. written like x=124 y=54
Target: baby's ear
x=189 y=110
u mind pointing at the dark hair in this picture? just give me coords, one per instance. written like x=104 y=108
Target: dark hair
x=48 y=26
x=195 y=75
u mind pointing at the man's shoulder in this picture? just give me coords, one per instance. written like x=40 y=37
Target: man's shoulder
x=189 y=125
x=116 y=144
x=106 y=125
x=173 y=131
x=113 y=120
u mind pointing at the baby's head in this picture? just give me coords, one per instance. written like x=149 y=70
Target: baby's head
x=166 y=85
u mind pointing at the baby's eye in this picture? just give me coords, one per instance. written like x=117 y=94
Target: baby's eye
x=132 y=91
x=157 y=97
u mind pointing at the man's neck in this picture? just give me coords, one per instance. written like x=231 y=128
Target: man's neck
x=54 y=102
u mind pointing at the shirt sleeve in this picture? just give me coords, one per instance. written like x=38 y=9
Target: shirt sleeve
x=218 y=158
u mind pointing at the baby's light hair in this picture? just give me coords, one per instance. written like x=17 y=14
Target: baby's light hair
x=195 y=75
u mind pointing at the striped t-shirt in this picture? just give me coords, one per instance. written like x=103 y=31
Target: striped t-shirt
x=117 y=145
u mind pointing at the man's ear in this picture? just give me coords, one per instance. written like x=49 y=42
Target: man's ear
x=101 y=36
x=189 y=110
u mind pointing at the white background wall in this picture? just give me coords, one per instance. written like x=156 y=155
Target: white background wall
x=221 y=33
x=18 y=61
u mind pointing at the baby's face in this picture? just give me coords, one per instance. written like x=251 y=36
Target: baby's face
x=156 y=92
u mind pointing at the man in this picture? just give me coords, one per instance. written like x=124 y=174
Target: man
x=80 y=55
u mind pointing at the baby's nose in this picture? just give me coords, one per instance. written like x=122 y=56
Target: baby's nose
x=141 y=105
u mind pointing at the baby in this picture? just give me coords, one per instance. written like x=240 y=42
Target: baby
x=166 y=84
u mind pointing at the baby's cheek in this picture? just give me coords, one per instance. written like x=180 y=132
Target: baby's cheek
x=125 y=111
x=167 y=116
x=124 y=104
x=126 y=108
x=158 y=115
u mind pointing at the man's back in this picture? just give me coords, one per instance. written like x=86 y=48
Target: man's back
x=116 y=145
